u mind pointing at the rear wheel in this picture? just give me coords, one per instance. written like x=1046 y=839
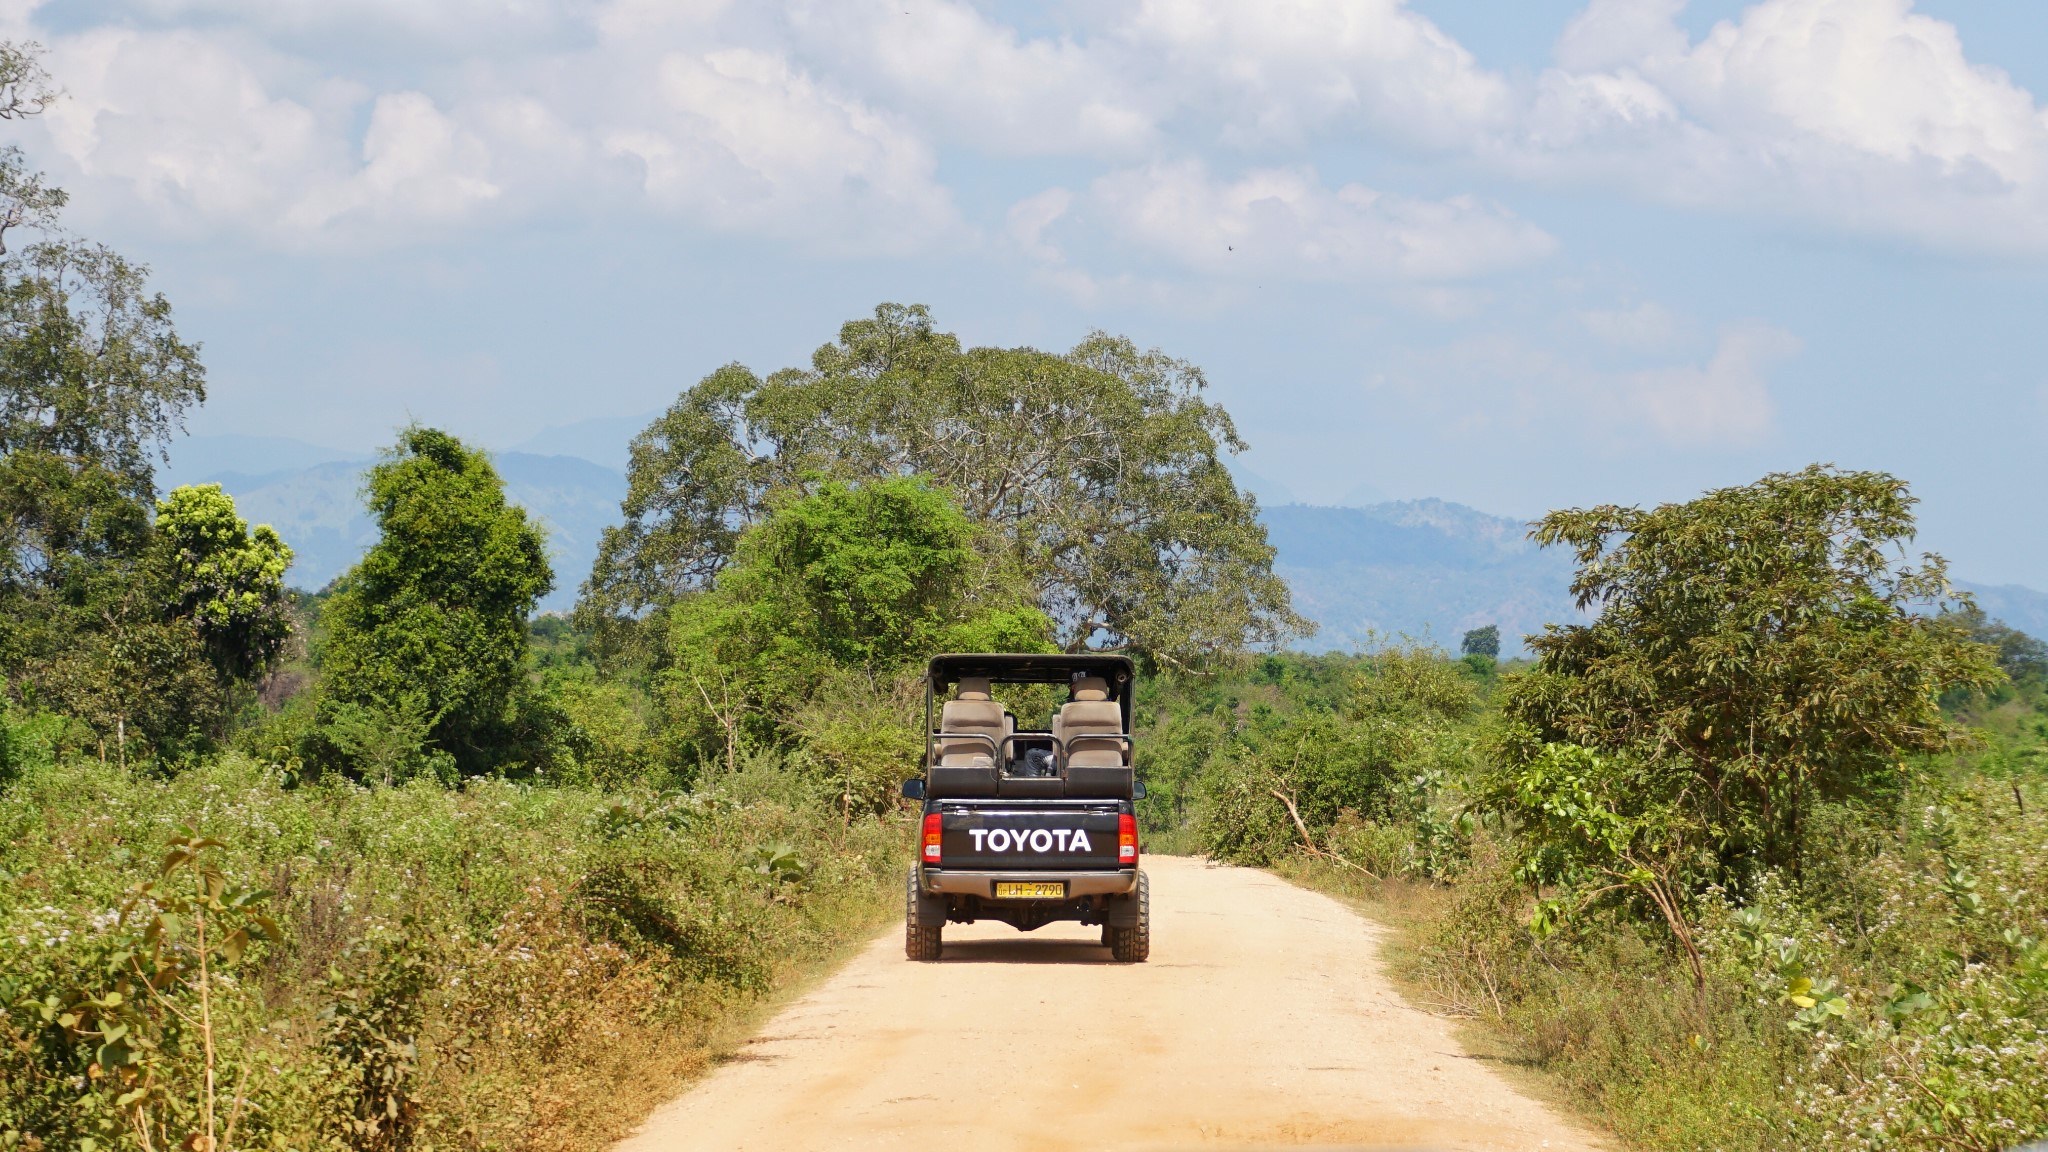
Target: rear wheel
x=1132 y=945
x=919 y=942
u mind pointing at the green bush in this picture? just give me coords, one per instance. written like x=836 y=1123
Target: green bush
x=1314 y=778
x=424 y=656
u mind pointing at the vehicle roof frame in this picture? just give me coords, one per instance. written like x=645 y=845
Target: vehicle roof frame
x=950 y=668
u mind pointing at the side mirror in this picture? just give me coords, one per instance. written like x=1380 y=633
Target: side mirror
x=1137 y=789
x=913 y=789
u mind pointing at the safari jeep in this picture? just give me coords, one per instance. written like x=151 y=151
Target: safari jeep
x=1028 y=825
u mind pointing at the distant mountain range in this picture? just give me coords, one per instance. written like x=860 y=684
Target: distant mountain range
x=1425 y=569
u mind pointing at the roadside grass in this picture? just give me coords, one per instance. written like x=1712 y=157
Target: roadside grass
x=501 y=966
x=1612 y=1047
x=1914 y=942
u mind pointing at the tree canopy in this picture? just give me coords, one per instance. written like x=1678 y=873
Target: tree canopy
x=91 y=370
x=1756 y=649
x=864 y=578
x=1096 y=471
x=2020 y=656
x=227 y=580
x=428 y=631
x=1482 y=642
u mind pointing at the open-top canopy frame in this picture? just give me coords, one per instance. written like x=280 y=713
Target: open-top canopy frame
x=1032 y=668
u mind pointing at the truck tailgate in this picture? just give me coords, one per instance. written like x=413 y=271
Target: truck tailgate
x=997 y=837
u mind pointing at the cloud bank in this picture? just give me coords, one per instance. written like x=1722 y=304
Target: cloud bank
x=827 y=123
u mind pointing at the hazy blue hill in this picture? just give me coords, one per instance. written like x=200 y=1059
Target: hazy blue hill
x=200 y=459
x=576 y=500
x=1429 y=568
x=1424 y=568
x=319 y=512
x=2019 y=607
x=604 y=439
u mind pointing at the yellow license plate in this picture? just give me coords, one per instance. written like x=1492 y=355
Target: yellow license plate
x=1034 y=891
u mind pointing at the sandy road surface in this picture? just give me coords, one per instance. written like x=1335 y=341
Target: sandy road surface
x=1261 y=1021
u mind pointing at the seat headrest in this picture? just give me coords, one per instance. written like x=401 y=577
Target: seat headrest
x=1091 y=688
x=972 y=688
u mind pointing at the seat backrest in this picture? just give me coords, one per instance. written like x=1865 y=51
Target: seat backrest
x=972 y=713
x=1086 y=725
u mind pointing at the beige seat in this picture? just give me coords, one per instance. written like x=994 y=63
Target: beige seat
x=973 y=713
x=1091 y=727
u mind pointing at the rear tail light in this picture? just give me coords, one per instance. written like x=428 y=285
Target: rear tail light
x=1127 y=841
x=931 y=838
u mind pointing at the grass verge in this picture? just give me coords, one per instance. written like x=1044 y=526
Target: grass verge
x=1894 y=997
x=495 y=967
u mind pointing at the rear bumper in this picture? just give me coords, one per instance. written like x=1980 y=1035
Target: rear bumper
x=956 y=882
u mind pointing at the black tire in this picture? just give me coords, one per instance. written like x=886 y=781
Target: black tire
x=1106 y=931
x=1133 y=945
x=919 y=943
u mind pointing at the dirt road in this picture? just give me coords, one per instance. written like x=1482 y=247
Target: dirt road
x=1261 y=1021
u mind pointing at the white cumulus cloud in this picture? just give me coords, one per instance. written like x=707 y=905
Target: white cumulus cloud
x=975 y=82
x=745 y=140
x=213 y=128
x=1727 y=400
x=842 y=123
x=1279 y=72
x=1286 y=222
x=1858 y=114
x=188 y=126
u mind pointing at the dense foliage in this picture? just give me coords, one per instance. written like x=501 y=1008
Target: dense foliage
x=227 y=580
x=1757 y=651
x=427 y=634
x=865 y=580
x=451 y=888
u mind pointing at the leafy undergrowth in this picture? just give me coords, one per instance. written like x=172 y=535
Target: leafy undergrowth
x=495 y=967
x=1895 y=997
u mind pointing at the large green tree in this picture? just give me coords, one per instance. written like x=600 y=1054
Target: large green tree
x=26 y=200
x=1097 y=472
x=1756 y=651
x=866 y=579
x=427 y=633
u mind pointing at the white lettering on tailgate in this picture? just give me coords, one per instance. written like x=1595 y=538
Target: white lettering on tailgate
x=1041 y=841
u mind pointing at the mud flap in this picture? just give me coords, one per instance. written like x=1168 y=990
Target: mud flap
x=1120 y=912
x=931 y=910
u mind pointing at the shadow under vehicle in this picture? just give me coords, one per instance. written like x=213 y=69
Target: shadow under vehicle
x=1028 y=825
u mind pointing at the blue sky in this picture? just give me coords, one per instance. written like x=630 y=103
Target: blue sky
x=1518 y=255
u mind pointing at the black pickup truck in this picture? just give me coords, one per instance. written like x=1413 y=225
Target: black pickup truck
x=1028 y=825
